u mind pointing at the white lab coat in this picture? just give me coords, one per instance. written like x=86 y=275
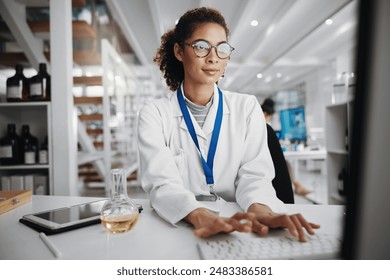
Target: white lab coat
x=170 y=164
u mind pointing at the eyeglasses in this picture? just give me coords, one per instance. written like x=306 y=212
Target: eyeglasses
x=202 y=49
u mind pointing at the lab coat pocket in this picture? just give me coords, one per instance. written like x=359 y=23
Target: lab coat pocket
x=182 y=166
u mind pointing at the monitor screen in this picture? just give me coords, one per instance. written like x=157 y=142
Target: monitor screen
x=293 y=124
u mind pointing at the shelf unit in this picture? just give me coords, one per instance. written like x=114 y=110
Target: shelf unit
x=113 y=117
x=38 y=116
x=31 y=38
x=338 y=127
x=90 y=154
x=121 y=100
x=119 y=134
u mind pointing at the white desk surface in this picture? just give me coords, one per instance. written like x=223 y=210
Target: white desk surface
x=151 y=237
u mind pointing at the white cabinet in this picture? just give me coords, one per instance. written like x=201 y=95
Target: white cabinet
x=38 y=116
x=338 y=128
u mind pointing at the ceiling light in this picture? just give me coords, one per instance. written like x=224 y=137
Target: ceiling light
x=254 y=23
x=278 y=75
x=328 y=21
x=268 y=79
x=259 y=75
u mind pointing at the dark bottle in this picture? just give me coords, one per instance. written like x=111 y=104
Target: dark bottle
x=29 y=153
x=17 y=86
x=10 y=152
x=40 y=85
x=29 y=146
x=44 y=153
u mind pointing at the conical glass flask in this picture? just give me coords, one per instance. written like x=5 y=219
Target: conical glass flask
x=119 y=214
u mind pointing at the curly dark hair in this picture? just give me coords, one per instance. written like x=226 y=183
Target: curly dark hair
x=172 y=68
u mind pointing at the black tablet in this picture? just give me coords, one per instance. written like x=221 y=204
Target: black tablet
x=64 y=219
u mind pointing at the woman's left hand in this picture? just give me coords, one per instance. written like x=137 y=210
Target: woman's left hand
x=265 y=219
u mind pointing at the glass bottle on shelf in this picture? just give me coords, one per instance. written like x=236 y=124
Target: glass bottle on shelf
x=40 y=85
x=10 y=152
x=17 y=86
x=119 y=214
x=30 y=146
x=43 y=153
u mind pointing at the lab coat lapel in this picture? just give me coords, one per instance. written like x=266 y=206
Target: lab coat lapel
x=208 y=125
x=176 y=112
x=198 y=130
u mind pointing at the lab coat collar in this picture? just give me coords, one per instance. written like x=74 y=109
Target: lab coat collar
x=208 y=125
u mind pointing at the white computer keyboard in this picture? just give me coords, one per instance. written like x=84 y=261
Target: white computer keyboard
x=318 y=246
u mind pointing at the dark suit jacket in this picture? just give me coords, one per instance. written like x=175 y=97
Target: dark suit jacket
x=282 y=181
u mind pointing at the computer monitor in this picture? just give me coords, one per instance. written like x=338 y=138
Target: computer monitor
x=367 y=223
x=293 y=124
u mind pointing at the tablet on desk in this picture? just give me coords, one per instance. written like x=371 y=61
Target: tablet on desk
x=64 y=219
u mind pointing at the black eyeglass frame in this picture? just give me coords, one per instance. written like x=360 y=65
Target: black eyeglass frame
x=211 y=47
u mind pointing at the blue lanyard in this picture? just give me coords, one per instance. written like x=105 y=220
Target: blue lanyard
x=207 y=166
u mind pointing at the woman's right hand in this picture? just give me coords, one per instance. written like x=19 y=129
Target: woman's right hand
x=207 y=223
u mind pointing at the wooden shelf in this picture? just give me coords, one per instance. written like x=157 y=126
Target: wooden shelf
x=81 y=30
x=79 y=57
x=11 y=59
x=88 y=81
x=88 y=173
x=83 y=57
x=87 y=58
x=94 y=132
x=88 y=100
x=78 y=3
x=91 y=117
x=98 y=144
x=96 y=178
x=46 y=3
x=87 y=165
x=132 y=176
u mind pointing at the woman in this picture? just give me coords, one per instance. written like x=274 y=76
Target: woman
x=199 y=119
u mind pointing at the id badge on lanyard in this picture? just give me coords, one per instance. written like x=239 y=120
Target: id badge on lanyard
x=209 y=164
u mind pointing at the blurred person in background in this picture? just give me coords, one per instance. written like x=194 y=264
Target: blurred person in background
x=268 y=107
